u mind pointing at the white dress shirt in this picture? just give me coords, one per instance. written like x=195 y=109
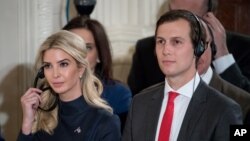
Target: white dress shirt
x=207 y=76
x=181 y=103
x=222 y=63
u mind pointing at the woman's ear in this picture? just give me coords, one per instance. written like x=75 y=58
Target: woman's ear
x=81 y=71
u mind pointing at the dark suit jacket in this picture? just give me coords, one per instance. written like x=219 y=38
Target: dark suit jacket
x=145 y=70
x=240 y=96
x=207 y=118
x=1 y=139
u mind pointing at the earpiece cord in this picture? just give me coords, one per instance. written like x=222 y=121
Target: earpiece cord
x=40 y=75
x=53 y=105
x=35 y=82
x=194 y=83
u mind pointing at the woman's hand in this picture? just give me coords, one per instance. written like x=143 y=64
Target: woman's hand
x=30 y=102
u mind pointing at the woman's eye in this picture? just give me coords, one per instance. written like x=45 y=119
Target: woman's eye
x=64 y=64
x=46 y=66
x=89 y=47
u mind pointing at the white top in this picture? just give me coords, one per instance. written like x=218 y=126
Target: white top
x=181 y=103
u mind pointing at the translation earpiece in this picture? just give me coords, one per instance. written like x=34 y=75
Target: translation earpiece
x=39 y=75
x=199 y=50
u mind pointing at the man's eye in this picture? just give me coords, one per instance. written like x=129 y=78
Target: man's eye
x=176 y=42
x=160 y=42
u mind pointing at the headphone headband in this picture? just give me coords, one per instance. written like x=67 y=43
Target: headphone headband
x=200 y=46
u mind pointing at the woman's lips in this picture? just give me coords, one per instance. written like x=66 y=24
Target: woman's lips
x=57 y=84
x=168 y=62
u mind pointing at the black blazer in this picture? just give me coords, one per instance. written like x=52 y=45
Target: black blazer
x=145 y=70
x=207 y=118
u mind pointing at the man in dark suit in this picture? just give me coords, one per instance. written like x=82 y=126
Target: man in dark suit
x=198 y=112
x=215 y=81
x=145 y=64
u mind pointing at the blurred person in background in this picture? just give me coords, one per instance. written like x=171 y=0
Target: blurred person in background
x=230 y=47
x=117 y=94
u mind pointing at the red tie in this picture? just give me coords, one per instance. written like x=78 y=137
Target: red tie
x=167 y=118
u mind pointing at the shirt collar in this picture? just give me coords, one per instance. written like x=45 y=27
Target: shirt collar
x=187 y=89
x=207 y=76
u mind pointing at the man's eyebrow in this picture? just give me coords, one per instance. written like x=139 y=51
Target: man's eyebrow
x=159 y=37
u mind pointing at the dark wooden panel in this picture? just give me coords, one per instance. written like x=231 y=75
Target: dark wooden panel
x=235 y=15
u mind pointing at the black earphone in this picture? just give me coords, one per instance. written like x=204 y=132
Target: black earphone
x=200 y=46
x=210 y=6
x=40 y=75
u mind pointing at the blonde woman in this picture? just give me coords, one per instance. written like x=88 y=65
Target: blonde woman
x=71 y=108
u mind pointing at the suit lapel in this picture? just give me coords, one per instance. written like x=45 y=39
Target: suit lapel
x=193 y=113
x=216 y=82
x=153 y=113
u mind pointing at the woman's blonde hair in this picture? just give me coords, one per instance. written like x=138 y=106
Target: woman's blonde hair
x=92 y=88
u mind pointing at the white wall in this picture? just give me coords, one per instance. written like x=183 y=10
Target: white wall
x=126 y=21
x=8 y=64
x=21 y=31
x=26 y=23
